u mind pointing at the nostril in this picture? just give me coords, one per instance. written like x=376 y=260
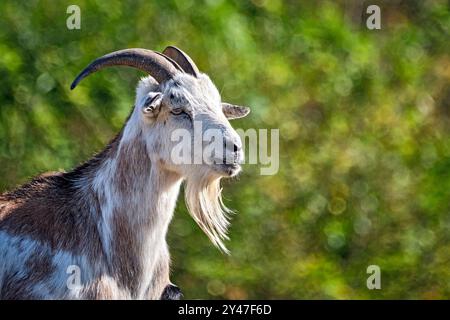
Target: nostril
x=231 y=146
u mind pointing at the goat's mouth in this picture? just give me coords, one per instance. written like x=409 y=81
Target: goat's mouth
x=227 y=169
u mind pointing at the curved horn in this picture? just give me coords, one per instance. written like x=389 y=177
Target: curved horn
x=182 y=59
x=154 y=63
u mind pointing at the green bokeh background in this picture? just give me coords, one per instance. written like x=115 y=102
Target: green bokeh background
x=364 y=120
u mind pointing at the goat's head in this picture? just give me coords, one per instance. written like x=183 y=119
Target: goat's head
x=178 y=110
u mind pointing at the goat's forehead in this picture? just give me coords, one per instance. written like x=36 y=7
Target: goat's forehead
x=200 y=92
x=202 y=83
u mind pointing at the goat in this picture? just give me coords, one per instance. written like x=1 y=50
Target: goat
x=109 y=216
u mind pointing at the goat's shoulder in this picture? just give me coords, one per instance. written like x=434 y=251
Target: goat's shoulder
x=49 y=208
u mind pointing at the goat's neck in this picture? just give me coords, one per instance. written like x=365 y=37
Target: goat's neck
x=136 y=200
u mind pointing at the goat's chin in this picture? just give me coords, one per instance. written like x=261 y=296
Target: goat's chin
x=227 y=170
x=204 y=202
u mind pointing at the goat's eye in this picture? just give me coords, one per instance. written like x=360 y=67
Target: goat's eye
x=177 y=111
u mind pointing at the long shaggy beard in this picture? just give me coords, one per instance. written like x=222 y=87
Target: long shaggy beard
x=204 y=202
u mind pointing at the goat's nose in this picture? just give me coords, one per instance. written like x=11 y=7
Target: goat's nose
x=236 y=147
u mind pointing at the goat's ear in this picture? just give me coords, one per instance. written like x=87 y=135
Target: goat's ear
x=152 y=104
x=232 y=111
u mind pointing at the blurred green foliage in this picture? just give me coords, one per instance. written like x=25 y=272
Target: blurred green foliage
x=364 y=119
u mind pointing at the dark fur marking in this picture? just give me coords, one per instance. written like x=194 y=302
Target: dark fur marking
x=171 y=292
